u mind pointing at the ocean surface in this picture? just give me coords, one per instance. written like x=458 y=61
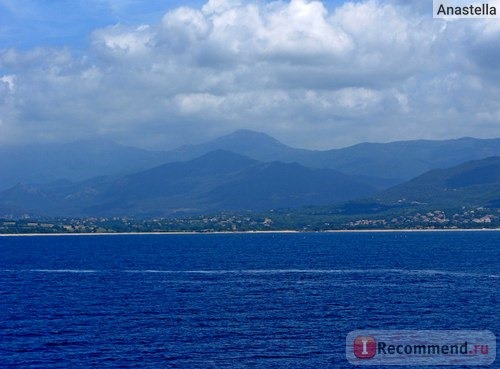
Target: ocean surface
x=235 y=300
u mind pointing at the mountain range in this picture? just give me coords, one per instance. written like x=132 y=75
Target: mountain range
x=386 y=164
x=243 y=171
x=73 y=161
x=219 y=180
x=395 y=161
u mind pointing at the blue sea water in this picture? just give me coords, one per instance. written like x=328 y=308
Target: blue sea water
x=235 y=300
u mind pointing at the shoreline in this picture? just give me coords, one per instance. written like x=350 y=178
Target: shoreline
x=291 y=231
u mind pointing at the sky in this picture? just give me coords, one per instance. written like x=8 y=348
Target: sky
x=314 y=74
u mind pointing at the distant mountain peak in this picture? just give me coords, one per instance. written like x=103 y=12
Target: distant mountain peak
x=255 y=145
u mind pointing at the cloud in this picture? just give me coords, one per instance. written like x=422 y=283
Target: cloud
x=312 y=75
x=8 y=82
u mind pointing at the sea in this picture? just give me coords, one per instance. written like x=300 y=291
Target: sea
x=263 y=300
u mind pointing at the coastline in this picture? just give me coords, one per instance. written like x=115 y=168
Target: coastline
x=249 y=232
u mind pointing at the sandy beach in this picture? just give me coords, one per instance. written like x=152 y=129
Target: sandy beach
x=247 y=232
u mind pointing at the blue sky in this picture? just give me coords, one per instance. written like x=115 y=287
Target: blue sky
x=315 y=74
x=30 y=23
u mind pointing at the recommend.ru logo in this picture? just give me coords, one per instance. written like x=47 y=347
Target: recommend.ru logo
x=414 y=347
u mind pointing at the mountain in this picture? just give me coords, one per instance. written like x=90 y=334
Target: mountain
x=408 y=159
x=72 y=161
x=382 y=165
x=255 y=145
x=475 y=183
x=387 y=163
x=219 y=180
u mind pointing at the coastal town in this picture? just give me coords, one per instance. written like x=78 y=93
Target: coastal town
x=471 y=218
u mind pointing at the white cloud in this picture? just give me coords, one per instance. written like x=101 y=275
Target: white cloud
x=312 y=76
x=8 y=81
x=197 y=103
x=120 y=41
x=220 y=6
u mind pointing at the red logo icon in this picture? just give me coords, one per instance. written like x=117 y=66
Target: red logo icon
x=365 y=347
